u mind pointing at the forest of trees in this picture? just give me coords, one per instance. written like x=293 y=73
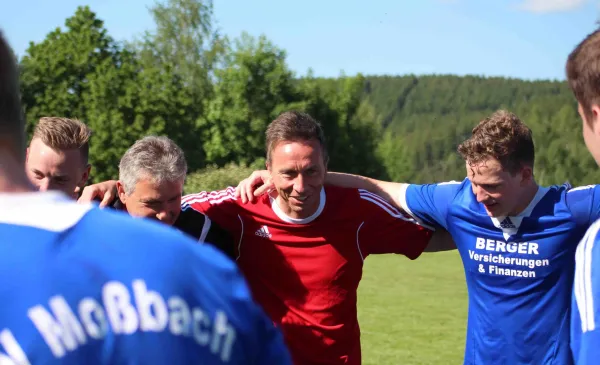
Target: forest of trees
x=215 y=96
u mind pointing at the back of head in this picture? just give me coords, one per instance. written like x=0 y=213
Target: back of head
x=294 y=126
x=12 y=128
x=64 y=134
x=152 y=157
x=503 y=137
x=583 y=72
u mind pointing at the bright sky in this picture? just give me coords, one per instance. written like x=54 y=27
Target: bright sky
x=516 y=38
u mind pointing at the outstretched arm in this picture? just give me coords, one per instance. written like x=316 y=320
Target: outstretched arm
x=441 y=240
x=390 y=191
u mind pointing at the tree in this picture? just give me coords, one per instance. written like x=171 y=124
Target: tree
x=55 y=73
x=187 y=41
x=250 y=91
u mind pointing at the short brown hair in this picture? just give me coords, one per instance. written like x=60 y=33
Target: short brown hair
x=502 y=136
x=12 y=126
x=583 y=72
x=294 y=126
x=64 y=134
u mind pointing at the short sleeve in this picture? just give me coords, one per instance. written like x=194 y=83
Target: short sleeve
x=385 y=229
x=220 y=206
x=429 y=203
x=584 y=203
x=585 y=316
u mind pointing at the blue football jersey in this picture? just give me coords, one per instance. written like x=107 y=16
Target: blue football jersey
x=80 y=285
x=519 y=270
x=585 y=334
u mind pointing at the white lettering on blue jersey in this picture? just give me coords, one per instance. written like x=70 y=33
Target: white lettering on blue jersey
x=65 y=331
x=99 y=287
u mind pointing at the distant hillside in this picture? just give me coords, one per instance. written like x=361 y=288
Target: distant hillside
x=423 y=119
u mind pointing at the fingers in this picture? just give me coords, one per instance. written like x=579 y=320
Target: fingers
x=88 y=194
x=240 y=191
x=246 y=187
x=108 y=198
x=265 y=188
x=106 y=192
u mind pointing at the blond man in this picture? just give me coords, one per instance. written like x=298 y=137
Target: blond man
x=57 y=156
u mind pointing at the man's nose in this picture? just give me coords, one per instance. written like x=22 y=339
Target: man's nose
x=165 y=216
x=43 y=185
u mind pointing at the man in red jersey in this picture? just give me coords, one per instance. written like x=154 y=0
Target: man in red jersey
x=302 y=251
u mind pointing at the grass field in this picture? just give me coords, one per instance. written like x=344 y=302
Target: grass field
x=413 y=312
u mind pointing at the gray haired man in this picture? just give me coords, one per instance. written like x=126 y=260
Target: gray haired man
x=151 y=178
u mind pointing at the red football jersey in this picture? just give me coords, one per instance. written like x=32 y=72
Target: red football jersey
x=305 y=272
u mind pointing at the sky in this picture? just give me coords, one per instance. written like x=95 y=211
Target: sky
x=527 y=39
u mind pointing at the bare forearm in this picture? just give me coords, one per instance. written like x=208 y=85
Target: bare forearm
x=441 y=241
x=390 y=191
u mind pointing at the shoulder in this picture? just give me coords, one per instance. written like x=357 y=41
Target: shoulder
x=365 y=201
x=579 y=200
x=159 y=243
x=347 y=198
x=447 y=189
x=577 y=192
x=211 y=197
x=589 y=242
x=339 y=192
x=190 y=221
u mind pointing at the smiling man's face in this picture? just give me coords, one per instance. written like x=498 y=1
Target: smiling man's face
x=298 y=172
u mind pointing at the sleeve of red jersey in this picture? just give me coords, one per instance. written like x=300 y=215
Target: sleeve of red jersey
x=385 y=229
x=220 y=206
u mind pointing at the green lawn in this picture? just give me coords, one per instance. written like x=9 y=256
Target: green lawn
x=413 y=312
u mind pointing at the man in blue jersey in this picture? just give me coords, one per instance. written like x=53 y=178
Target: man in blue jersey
x=83 y=286
x=516 y=239
x=583 y=75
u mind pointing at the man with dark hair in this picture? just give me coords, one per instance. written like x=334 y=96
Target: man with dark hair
x=516 y=240
x=57 y=156
x=583 y=75
x=84 y=286
x=302 y=251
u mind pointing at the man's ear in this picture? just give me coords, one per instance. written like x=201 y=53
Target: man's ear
x=595 y=122
x=526 y=174
x=121 y=192
x=85 y=176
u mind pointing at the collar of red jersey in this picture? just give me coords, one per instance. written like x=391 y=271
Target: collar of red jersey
x=51 y=210
x=284 y=217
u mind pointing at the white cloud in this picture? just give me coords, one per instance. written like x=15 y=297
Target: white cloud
x=548 y=6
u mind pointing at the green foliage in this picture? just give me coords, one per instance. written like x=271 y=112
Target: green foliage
x=214 y=178
x=249 y=91
x=55 y=72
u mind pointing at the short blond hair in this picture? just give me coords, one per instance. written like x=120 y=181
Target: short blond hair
x=64 y=134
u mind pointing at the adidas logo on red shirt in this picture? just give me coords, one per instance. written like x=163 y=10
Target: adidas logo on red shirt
x=263 y=232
